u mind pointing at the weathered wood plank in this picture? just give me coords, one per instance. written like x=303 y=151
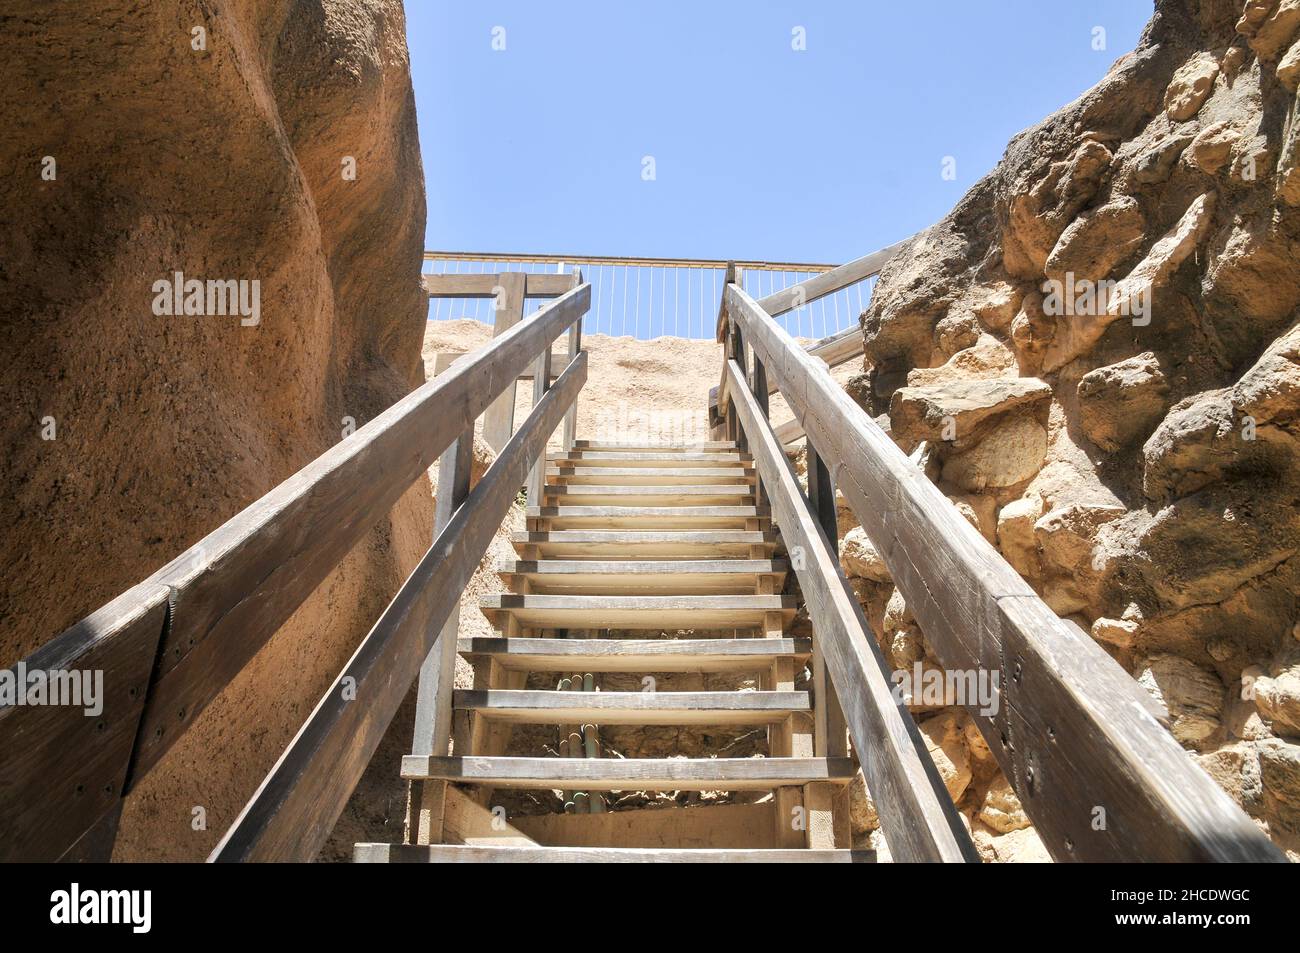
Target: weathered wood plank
x=635 y=655
x=633 y=708
x=240 y=583
x=647 y=544
x=444 y=854
x=635 y=612
x=980 y=616
x=426 y=803
x=720 y=827
x=704 y=447
x=677 y=495
x=627 y=458
x=537 y=285
x=295 y=807
x=647 y=517
x=632 y=774
x=465 y=821
x=645 y=576
x=829 y=282
x=568 y=475
x=508 y=311
x=575 y=345
x=62 y=771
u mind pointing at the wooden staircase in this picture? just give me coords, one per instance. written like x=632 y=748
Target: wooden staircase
x=627 y=548
x=629 y=541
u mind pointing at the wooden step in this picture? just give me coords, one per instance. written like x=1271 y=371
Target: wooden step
x=630 y=774
x=642 y=576
x=647 y=517
x=592 y=458
x=649 y=544
x=462 y=854
x=632 y=708
x=637 y=655
x=635 y=612
x=730 y=494
x=567 y=475
x=708 y=445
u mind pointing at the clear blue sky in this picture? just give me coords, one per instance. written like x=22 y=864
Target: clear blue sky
x=761 y=151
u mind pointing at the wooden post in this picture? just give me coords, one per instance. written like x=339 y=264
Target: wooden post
x=758 y=387
x=575 y=345
x=826 y=806
x=499 y=421
x=735 y=350
x=433 y=708
x=541 y=384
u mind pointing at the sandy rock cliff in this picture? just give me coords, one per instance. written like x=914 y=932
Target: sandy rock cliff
x=1097 y=356
x=210 y=137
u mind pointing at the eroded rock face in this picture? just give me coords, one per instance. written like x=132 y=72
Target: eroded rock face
x=1192 y=695
x=957 y=411
x=1122 y=402
x=224 y=163
x=859 y=557
x=1131 y=404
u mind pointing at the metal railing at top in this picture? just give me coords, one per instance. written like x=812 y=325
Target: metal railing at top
x=657 y=297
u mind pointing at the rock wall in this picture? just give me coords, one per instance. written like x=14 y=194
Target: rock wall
x=215 y=138
x=1096 y=355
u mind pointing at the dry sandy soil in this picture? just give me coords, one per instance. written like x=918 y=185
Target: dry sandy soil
x=655 y=391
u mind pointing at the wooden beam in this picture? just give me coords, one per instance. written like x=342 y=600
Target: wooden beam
x=646 y=517
x=635 y=655
x=1072 y=730
x=651 y=458
x=567 y=474
x=707 y=446
x=416 y=854
x=541 y=384
x=438 y=673
x=632 y=774
x=720 y=827
x=829 y=282
x=62 y=770
x=647 y=544
x=295 y=808
x=710 y=495
x=633 y=708
x=508 y=311
x=486 y=286
x=465 y=821
x=575 y=345
x=648 y=576
x=233 y=589
x=635 y=612
x=918 y=817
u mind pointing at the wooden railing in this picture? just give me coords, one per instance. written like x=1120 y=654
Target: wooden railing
x=1077 y=738
x=645 y=297
x=168 y=646
x=838 y=348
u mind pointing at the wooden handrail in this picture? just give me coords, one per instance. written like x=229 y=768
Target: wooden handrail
x=1077 y=738
x=201 y=618
x=489 y=286
x=819 y=286
x=628 y=260
x=918 y=817
x=290 y=816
